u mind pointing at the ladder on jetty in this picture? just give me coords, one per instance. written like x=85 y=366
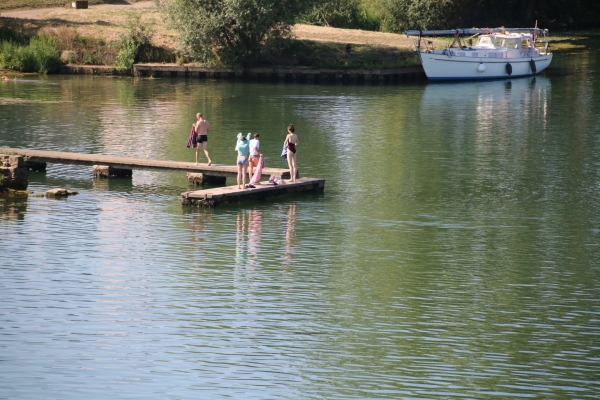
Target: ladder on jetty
x=105 y=165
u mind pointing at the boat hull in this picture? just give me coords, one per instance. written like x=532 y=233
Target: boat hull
x=443 y=68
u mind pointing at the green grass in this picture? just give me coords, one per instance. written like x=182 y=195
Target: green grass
x=327 y=55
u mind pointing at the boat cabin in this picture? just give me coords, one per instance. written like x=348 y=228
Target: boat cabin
x=509 y=42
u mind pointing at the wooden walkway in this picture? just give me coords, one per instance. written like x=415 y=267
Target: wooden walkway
x=231 y=194
x=61 y=157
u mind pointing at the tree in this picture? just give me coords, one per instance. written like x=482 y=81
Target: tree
x=232 y=32
x=400 y=15
x=336 y=13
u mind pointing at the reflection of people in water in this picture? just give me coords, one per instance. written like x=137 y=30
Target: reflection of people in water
x=254 y=231
x=241 y=251
x=249 y=229
x=290 y=231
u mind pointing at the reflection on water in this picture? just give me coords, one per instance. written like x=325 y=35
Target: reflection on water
x=290 y=231
x=12 y=209
x=454 y=252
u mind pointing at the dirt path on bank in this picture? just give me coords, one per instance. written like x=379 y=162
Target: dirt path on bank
x=40 y=12
x=354 y=36
x=108 y=21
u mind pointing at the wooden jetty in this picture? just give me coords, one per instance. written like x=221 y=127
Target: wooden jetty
x=231 y=194
x=105 y=165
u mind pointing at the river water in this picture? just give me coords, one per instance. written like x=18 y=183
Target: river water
x=453 y=254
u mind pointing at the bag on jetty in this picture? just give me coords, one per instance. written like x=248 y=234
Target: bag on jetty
x=274 y=180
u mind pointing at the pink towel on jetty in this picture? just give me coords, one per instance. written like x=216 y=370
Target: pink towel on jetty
x=258 y=172
x=192 y=139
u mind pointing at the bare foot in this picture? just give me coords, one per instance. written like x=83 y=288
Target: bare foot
x=209 y=163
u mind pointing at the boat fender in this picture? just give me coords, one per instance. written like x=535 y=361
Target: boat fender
x=533 y=67
x=481 y=67
x=508 y=69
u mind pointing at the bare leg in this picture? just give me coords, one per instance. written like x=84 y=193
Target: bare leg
x=204 y=144
x=251 y=169
x=245 y=168
x=240 y=172
x=291 y=159
x=197 y=152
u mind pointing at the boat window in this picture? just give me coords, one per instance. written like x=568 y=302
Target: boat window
x=484 y=41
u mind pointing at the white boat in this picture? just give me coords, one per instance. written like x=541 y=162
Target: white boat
x=499 y=53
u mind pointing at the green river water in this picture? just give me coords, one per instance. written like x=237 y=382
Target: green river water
x=453 y=254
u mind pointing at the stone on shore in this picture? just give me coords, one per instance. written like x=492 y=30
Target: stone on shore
x=60 y=192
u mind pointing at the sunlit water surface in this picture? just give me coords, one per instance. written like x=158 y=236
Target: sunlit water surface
x=453 y=254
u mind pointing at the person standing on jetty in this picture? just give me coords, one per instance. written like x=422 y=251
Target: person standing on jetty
x=201 y=127
x=292 y=141
x=243 y=149
x=254 y=155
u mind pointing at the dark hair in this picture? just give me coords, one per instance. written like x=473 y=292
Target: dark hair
x=256 y=135
x=291 y=128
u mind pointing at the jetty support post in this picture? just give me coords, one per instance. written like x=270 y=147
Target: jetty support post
x=36 y=166
x=198 y=178
x=14 y=172
x=107 y=171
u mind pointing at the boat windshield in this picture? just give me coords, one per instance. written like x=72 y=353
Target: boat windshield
x=485 y=42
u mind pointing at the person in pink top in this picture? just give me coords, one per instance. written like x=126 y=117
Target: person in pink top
x=201 y=128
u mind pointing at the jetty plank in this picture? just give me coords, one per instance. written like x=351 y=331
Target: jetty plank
x=62 y=157
x=231 y=194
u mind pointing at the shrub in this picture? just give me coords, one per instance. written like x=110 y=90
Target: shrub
x=348 y=14
x=12 y=31
x=65 y=35
x=46 y=54
x=16 y=57
x=88 y=58
x=133 y=42
x=41 y=55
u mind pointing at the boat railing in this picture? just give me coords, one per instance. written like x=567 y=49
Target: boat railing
x=473 y=31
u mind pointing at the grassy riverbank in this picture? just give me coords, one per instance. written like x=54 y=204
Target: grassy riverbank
x=93 y=37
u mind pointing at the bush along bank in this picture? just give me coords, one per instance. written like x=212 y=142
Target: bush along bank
x=19 y=52
x=44 y=51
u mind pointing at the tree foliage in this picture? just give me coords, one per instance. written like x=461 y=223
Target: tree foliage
x=339 y=14
x=232 y=32
x=400 y=15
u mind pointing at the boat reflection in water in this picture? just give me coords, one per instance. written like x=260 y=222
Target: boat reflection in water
x=495 y=107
